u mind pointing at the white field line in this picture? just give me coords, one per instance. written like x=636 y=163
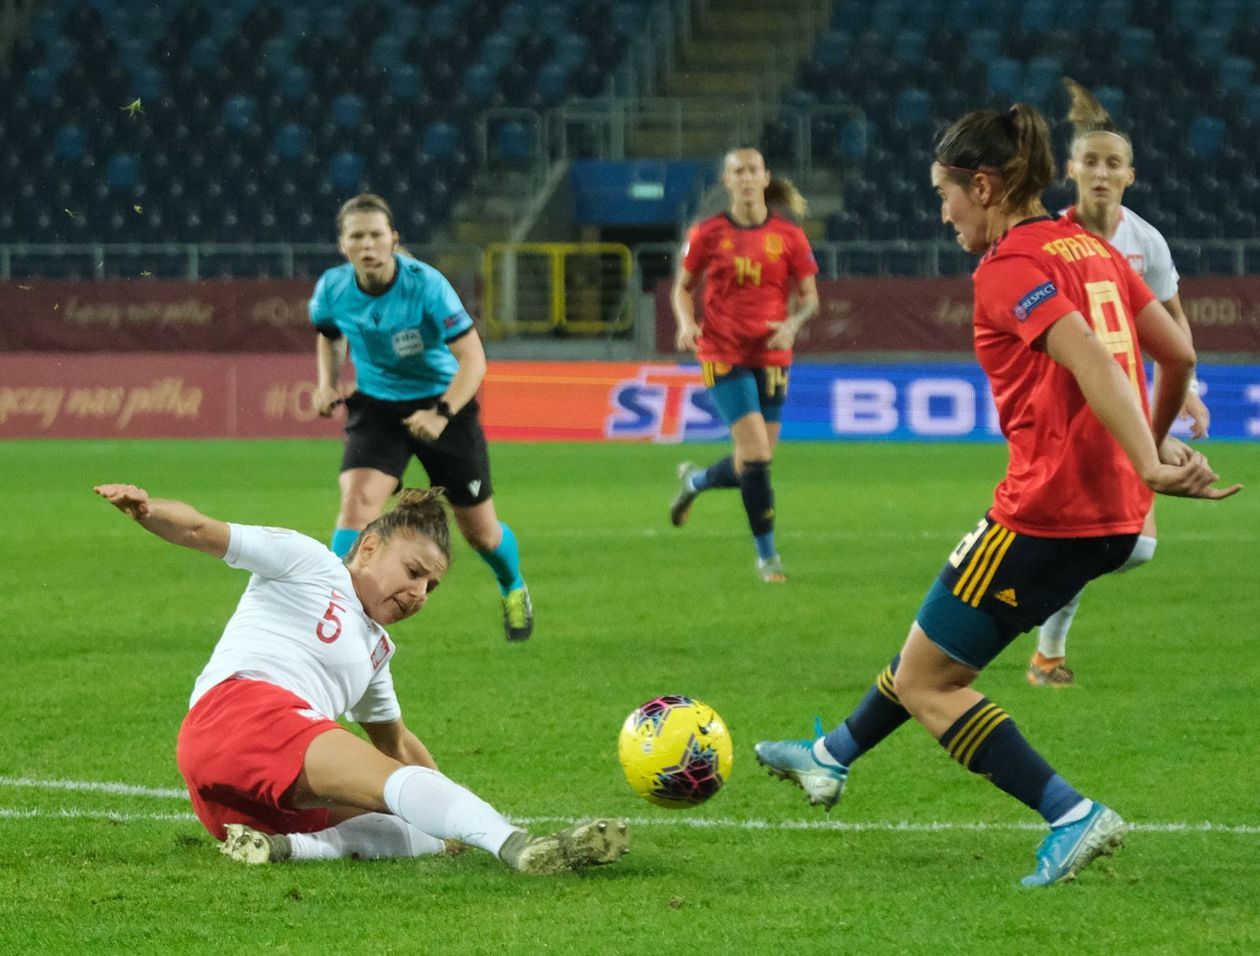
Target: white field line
x=95 y=786
x=668 y=820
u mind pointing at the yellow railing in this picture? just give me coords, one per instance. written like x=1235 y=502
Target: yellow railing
x=557 y=288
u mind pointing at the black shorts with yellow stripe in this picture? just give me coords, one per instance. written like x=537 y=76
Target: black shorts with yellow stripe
x=999 y=583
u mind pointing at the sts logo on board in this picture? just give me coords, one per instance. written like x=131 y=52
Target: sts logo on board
x=664 y=403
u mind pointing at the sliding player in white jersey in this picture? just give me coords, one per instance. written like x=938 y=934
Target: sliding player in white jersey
x=269 y=770
x=1101 y=165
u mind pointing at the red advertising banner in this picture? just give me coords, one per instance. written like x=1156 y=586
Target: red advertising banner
x=176 y=395
x=934 y=315
x=188 y=395
x=261 y=315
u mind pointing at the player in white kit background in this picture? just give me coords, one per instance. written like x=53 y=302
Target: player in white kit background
x=268 y=768
x=1101 y=166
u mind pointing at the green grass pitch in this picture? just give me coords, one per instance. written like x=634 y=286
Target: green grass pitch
x=105 y=628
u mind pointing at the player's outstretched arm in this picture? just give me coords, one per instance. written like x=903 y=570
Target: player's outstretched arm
x=172 y=521
x=394 y=739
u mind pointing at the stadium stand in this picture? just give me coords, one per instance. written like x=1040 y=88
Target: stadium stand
x=250 y=120
x=1179 y=75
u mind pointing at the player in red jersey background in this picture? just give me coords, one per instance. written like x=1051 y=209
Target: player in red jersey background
x=1059 y=315
x=755 y=263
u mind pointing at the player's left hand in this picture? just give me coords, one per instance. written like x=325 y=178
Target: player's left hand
x=782 y=335
x=425 y=423
x=1174 y=451
x=128 y=499
x=1199 y=416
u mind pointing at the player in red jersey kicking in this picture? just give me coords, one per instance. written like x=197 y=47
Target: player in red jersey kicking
x=269 y=770
x=755 y=263
x=1059 y=315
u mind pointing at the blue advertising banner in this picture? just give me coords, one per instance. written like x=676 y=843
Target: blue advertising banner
x=902 y=402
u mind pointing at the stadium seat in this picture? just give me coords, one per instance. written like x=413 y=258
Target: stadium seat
x=347 y=111
x=1005 y=77
x=1235 y=73
x=69 y=142
x=121 y=172
x=517 y=144
x=440 y=140
x=1206 y=136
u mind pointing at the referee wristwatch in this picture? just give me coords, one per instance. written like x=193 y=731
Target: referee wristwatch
x=444 y=409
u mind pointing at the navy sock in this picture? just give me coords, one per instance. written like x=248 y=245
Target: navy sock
x=986 y=741
x=754 y=487
x=877 y=715
x=720 y=474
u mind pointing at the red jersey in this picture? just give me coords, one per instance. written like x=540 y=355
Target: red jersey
x=1067 y=477
x=748 y=275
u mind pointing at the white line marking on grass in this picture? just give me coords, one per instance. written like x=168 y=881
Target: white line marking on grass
x=695 y=823
x=67 y=813
x=882 y=826
x=95 y=786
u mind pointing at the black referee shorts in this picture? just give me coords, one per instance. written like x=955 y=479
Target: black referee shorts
x=458 y=461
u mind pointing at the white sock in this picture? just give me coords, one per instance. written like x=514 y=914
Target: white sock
x=437 y=805
x=1078 y=812
x=1143 y=551
x=372 y=836
x=1052 y=638
x=823 y=755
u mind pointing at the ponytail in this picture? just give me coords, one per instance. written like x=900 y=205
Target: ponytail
x=782 y=195
x=1014 y=146
x=1088 y=116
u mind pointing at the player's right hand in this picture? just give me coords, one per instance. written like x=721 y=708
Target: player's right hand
x=687 y=337
x=1193 y=479
x=128 y=499
x=326 y=399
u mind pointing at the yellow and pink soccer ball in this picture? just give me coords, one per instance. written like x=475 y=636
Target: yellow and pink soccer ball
x=676 y=751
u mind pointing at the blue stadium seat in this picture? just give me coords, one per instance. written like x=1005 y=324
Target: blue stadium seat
x=291 y=141
x=983 y=44
x=440 y=139
x=40 y=85
x=496 y=49
x=1251 y=103
x=1235 y=73
x=552 y=84
x=295 y=83
x=1037 y=15
x=832 y=49
x=913 y=106
x=239 y=111
x=479 y=84
x=1206 y=136
x=404 y=81
x=517 y=144
x=347 y=111
x=1005 y=77
x=571 y=50
x=909 y=47
x=69 y=142
x=121 y=172
x=345 y=171
x=63 y=53
x=387 y=52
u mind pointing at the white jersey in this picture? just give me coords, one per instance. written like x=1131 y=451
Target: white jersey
x=1146 y=250
x=299 y=625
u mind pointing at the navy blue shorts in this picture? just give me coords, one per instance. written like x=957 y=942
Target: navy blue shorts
x=739 y=390
x=458 y=461
x=998 y=583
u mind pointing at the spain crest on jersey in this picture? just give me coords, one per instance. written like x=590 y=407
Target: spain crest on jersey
x=774 y=245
